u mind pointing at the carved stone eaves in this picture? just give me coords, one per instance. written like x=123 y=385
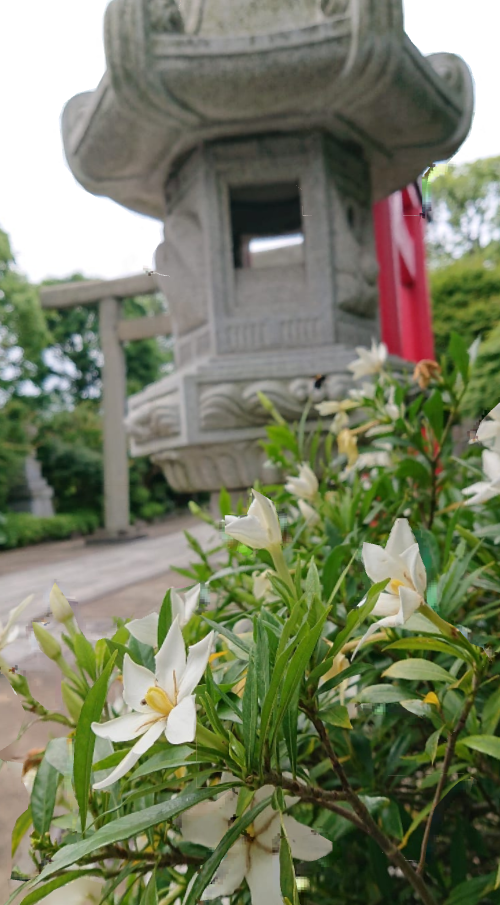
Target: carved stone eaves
x=153 y=420
x=234 y=405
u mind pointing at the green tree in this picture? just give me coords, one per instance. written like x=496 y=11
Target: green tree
x=466 y=210
x=23 y=333
x=465 y=299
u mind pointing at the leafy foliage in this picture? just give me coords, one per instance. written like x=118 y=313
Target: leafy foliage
x=394 y=758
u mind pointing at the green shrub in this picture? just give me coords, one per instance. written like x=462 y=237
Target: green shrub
x=19 y=529
x=465 y=299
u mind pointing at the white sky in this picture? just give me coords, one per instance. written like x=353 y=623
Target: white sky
x=52 y=49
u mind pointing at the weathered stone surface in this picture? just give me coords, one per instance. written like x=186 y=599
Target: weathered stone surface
x=33 y=494
x=240 y=120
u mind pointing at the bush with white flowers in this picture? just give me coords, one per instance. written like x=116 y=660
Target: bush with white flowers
x=315 y=718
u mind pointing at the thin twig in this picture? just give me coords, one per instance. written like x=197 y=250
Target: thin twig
x=448 y=757
x=369 y=824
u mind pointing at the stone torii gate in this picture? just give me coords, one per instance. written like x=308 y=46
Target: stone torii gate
x=114 y=331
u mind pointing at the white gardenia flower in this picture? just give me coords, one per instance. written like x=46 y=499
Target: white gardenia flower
x=260 y=528
x=334 y=407
x=482 y=491
x=488 y=432
x=401 y=562
x=161 y=703
x=392 y=410
x=367 y=391
x=311 y=516
x=183 y=607
x=370 y=361
x=305 y=486
x=254 y=857
x=376 y=459
x=10 y=631
x=82 y=891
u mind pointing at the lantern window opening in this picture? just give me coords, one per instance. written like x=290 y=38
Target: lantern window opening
x=266 y=225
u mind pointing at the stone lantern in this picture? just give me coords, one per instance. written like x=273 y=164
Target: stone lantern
x=261 y=132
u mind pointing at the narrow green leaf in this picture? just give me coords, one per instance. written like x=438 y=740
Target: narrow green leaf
x=85 y=655
x=296 y=670
x=390 y=819
x=337 y=716
x=132 y=825
x=150 y=895
x=382 y=694
x=164 y=617
x=486 y=744
x=250 y=709
x=242 y=646
x=85 y=739
x=491 y=713
x=432 y=744
x=457 y=351
x=313 y=584
x=288 y=882
x=433 y=409
x=431 y=643
x=225 y=503
x=346 y=673
x=168 y=760
x=290 y=729
x=43 y=796
x=56 y=883
x=212 y=863
x=262 y=655
x=271 y=696
x=417 y=669
x=21 y=827
x=426 y=811
x=471 y=892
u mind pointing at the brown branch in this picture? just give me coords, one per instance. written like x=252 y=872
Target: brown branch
x=312 y=795
x=370 y=826
x=448 y=757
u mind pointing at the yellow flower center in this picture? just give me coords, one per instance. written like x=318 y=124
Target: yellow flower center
x=394 y=585
x=250 y=831
x=159 y=700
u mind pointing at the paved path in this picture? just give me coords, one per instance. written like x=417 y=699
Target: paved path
x=97 y=575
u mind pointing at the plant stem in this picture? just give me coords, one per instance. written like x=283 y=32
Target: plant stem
x=369 y=824
x=281 y=567
x=448 y=757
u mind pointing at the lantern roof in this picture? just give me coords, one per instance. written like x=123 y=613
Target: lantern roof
x=179 y=74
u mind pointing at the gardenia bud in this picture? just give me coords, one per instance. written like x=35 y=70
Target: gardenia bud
x=46 y=642
x=59 y=606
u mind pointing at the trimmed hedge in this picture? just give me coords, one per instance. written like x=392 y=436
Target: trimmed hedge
x=19 y=529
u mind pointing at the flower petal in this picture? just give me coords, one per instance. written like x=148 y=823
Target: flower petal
x=178 y=607
x=400 y=538
x=263 y=877
x=208 y=822
x=230 y=873
x=491 y=465
x=305 y=843
x=379 y=564
x=413 y=561
x=130 y=759
x=171 y=658
x=145 y=629
x=264 y=510
x=17 y=610
x=410 y=601
x=196 y=665
x=136 y=682
x=181 y=722
x=386 y=605
x=191 y=601
x=482 y=493
x=123 y=728
x=247 y=530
